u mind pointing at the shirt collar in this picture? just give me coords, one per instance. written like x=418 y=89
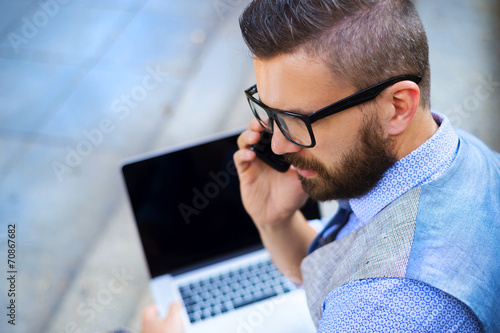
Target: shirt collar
x=424 y=164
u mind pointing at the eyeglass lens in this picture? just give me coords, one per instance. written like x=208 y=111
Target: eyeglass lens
x=292 y=127
x=262 y=116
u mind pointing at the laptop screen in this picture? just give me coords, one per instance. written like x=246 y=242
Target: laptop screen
x=188 y=209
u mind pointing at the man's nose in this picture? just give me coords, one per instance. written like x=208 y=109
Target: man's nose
x=281 y=145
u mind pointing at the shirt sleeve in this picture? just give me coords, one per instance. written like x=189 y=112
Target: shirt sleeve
x=395 y=305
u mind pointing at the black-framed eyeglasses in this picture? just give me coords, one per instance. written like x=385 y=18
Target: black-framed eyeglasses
x=297 y=127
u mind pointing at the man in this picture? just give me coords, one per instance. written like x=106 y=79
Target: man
x=415 y=244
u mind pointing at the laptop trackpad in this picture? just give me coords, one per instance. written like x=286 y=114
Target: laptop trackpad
x=286 y=313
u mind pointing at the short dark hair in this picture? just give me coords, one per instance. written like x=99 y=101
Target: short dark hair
x=362 y=41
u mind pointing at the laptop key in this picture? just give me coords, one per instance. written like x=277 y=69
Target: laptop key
x=241 y=303
x=191 y=309
x=227 y=291
x=189 y=301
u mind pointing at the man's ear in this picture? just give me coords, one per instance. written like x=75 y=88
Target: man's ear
x=404 y=97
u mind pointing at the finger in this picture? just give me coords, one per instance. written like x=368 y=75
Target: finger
x=255 y=125
x=151 y=323
x=174 y=319
x=175 y=309
x=242 y=159
x=248 y=138
x=150 y=313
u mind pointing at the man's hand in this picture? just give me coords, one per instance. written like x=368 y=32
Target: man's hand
x=151 y=323
x=273 y=200
x=269 y=196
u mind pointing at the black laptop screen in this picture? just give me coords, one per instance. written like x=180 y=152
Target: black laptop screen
x=188 y=208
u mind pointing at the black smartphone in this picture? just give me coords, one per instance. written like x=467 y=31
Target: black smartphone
x=265 y=153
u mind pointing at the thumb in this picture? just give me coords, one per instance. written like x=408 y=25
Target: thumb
x=151 y=323
x=174 y=318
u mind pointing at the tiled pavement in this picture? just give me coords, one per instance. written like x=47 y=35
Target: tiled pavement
x=84 y=84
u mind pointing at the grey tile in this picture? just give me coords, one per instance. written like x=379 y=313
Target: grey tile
x=73 y=224
x=224 y=67
x=461 y=43
x=122 y=5
x=11 y=14
x=56 y=222
x=159 y=39
x=104 y=101
x=10 y=153
x=201 y=10
x=112 y=307
x=75 y=32
x=27 y=90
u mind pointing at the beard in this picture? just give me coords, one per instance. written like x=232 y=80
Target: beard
x=358 y=171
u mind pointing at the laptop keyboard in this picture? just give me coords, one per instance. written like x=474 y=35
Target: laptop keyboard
x=234 y=289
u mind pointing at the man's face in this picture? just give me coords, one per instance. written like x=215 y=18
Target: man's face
x=352 y=150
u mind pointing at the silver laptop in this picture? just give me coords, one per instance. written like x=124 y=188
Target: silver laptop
x=202 y=248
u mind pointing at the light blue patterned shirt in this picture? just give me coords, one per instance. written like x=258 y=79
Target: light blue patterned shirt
x=423 y=165
x=399 y=305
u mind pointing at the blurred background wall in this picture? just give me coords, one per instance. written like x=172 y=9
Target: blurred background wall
x=85 y=84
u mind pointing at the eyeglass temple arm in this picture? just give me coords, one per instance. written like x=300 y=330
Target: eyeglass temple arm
x=360 y=97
